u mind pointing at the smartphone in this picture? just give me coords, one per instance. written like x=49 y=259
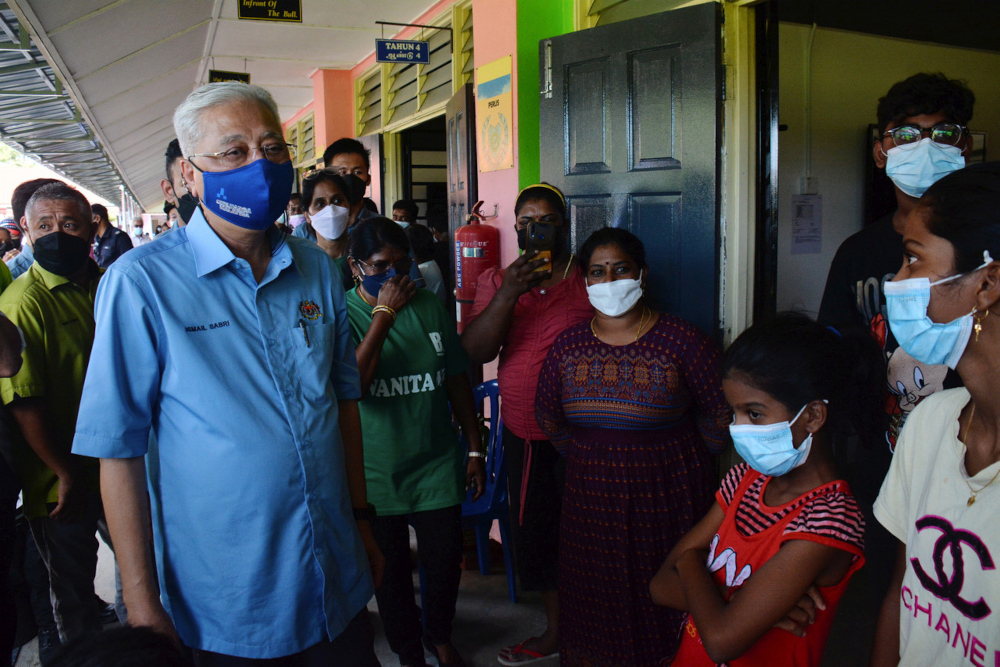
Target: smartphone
x=542 y=237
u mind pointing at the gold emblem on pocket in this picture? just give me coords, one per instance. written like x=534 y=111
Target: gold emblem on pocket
x=309 y=310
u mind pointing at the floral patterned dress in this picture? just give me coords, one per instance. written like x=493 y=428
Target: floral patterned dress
x=639 y=424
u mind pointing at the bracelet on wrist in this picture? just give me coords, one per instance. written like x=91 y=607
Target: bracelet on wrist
x=477 y=455
x=384 y=309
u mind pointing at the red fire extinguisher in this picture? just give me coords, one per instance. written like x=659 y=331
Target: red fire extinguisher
x=477 y=248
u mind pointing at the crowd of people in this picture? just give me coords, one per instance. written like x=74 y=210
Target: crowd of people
x=253 y=408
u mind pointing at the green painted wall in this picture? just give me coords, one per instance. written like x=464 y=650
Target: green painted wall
x=536 y=20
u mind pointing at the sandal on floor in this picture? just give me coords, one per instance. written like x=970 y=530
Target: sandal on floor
x=512 y=656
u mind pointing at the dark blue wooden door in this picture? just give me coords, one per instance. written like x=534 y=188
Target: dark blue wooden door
x=630 y=132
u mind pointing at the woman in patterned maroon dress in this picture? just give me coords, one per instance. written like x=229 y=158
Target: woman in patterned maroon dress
x=634 y=400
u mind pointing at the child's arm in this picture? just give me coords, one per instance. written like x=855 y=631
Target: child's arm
x=665 y=588
x=885 y=653
x=729 y=629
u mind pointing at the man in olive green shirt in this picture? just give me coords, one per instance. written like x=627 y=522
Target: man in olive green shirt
x=53 y=304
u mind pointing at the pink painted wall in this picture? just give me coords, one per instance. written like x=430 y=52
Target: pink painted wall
x=495 y=28
x=494 y=24
x=298 y=115
x=333 y=101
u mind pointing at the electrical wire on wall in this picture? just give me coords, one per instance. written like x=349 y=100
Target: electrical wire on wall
x=807 y=186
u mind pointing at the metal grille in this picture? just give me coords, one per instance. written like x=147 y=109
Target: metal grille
x=38 y=117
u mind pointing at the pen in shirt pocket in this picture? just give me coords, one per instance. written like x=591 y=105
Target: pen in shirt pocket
x=305 y=334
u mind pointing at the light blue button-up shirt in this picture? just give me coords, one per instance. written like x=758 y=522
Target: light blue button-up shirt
x=22 y=261
x=257 y=550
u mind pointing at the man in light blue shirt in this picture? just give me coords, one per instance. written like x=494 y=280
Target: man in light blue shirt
x=241 y=366
x=22 y=261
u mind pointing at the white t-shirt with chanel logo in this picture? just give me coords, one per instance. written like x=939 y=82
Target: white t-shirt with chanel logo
x=950 y=598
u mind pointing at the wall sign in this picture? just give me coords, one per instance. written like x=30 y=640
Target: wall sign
x=807 y=224
x=270 y=10
x=217 y=75
x=402 y=51
x=494 y=115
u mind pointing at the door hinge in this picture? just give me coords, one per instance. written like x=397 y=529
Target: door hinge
x=546 y=73
x=723 y=83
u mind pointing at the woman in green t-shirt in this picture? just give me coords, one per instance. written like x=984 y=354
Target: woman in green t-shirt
x=412 y=365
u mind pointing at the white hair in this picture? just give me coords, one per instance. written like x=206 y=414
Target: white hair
x=187 y=116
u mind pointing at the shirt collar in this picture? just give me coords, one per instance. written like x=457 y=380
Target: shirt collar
x=210 y=253
x=52 y=280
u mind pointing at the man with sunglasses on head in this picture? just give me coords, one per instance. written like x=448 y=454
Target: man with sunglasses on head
x=241 y=366
x=924 y=136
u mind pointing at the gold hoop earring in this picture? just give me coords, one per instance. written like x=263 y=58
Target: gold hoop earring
x=978 y=326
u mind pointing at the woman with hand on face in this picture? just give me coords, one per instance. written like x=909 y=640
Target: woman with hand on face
x=633 y=399
x=518 y=312
x=412 y=366
x=941 y=498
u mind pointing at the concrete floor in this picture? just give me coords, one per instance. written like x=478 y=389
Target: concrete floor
x=486 y=620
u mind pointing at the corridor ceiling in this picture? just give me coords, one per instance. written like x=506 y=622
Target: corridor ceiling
x=127 y=64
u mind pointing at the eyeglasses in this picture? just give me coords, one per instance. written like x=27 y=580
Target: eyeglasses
x=907 y=136
x=239 y=156
x=402 y=266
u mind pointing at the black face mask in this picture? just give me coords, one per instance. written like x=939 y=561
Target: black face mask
x=522 y=238
x=186 y=206
x=61 y=253
x=6 y=247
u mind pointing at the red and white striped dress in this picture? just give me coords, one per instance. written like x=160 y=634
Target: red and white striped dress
x=751 y=533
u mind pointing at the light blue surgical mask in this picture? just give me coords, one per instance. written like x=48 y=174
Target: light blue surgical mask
x=768 y=448
x=927 y=341
x=915 y=169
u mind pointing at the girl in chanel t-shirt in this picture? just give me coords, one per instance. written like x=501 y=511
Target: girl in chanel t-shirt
x=941 y=498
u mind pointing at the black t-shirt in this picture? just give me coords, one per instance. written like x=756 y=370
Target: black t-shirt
x=854 y=296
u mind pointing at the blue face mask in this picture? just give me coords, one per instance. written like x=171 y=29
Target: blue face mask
x=252 y=196
x=373 y=284
x=768 y=448
x=915 y=169
x=927 y=341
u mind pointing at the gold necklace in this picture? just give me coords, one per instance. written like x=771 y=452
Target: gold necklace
x=975 y=492
x=362 y=295
x=568 y=264
x=646 y=314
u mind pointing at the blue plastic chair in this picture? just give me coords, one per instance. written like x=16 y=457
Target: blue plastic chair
x=493 y=504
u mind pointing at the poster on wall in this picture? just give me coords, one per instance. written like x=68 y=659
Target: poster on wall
x=807 y=224
x=494 y=113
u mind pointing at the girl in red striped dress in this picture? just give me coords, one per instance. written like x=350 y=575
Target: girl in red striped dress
x=761 y=575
